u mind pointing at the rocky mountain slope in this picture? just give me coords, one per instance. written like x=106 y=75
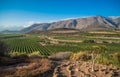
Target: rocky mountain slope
x=87 y=24
x=117 y=21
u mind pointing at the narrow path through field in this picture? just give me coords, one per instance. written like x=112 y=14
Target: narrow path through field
x=52 y=39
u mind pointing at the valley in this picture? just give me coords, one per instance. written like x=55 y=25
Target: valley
x=55 y=45
x=59 y=38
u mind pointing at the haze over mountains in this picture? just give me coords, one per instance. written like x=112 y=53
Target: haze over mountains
x=87 y=24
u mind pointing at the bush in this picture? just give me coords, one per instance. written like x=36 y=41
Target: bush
x=5 y=60
x=14 y=59
x=14 y=54
x=84 y=56
x=18 y=55
x=116 y=58
x=89 y=41
x=113 y=58
x=35 y=54
x=3 y=48
x=104 y=60
x=105 y=41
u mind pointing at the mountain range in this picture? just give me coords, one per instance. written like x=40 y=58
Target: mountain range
x=83 y=24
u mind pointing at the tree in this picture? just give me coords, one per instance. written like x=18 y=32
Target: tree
x=3 y=48
x=95 y=53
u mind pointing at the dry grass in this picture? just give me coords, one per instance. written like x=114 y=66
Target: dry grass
x=84 y=56
x=102 y=32
x=33 y=68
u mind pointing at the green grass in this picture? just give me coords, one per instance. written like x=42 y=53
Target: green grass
x=61 y=48
x=110 y=46
x=81 y=38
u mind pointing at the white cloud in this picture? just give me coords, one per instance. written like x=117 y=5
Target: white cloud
x=29 y=23
x=10 y=28
x=114 y=17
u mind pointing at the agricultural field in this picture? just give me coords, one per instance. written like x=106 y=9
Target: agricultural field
x=50 y=50
x=100 y=36
x=25 y=44
x=47 y=45
x=80 y=42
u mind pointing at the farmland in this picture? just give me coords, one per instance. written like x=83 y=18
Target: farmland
x=43 y=49
x=47 y=45
x=25 y=44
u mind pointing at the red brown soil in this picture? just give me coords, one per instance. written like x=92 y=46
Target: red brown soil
x=65 y=68
x=83 y=69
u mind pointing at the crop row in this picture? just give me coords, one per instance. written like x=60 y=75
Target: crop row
x=27 y=45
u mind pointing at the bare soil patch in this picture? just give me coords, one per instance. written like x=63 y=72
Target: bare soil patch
x=37 y=67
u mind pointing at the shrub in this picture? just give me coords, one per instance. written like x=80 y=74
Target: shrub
x=96 y=52
x=15 y=54
x=116 y=58
x=104 y=60
x=18 y=55
x=89 y=41
x=105 y=41
x=5 y=60
x=84 y=56
x=112 y=58
x=3 y=48
x=35 y=54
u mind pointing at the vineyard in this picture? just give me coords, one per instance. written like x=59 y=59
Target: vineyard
x=31 y=43
x=26 y=44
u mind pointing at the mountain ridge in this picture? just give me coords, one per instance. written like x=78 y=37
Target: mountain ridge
x=87 y=24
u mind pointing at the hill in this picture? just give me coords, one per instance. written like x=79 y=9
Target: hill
x=9 y=32
x=83 y=24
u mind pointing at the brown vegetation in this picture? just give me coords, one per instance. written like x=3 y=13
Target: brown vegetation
x=83 y=69
x=31 y=68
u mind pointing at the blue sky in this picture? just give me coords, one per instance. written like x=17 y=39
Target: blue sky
x=19 y=13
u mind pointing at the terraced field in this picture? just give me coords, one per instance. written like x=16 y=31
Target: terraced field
x=111 y=39
x=107 y=36
x=47 y=45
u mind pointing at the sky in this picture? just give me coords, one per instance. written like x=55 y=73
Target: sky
x=17 y=14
